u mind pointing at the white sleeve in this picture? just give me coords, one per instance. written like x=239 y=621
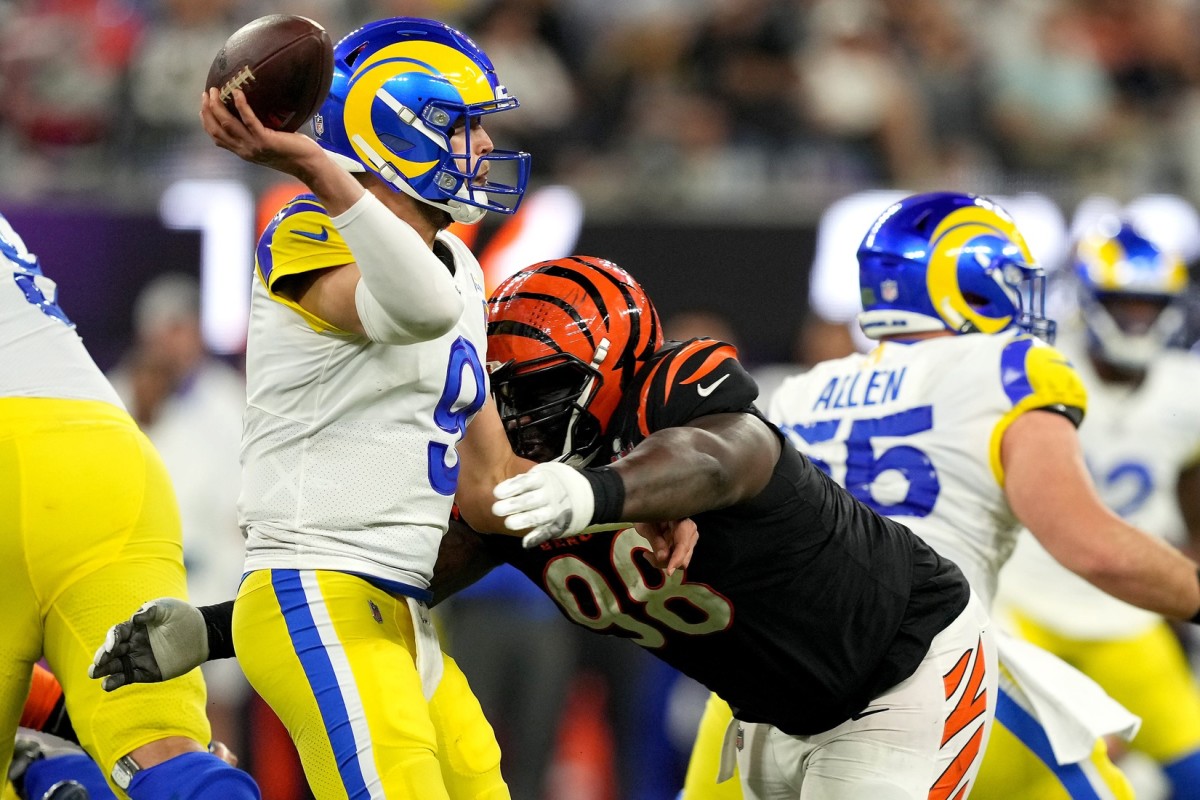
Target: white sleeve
x=406 y=294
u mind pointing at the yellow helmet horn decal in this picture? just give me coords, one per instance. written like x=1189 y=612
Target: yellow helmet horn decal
x=373 y=72
x=949 y=242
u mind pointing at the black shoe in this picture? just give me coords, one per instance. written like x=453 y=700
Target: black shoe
x=25 y=752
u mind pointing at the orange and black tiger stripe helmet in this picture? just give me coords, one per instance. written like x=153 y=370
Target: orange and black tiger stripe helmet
x=565 y=338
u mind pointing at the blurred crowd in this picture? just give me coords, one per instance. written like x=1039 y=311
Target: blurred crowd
x=770 y=108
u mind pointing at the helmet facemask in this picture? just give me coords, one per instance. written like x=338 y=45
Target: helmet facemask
x=1128 y=330
x=544 y=408
x=1025 y=286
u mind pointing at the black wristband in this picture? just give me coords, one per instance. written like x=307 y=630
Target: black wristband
x=609 y=492
x=218 y=622
x=1195 y=620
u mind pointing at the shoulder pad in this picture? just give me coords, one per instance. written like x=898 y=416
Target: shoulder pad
x=300 y=238
x=690 y=380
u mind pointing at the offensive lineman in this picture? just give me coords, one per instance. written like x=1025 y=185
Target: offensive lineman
x=958 y=414
x=1141 y=441
x=88 y=525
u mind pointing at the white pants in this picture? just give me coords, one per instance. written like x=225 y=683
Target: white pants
x=921 y=740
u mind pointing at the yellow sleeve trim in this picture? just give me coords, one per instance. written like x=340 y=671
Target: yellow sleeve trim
x=301 y=239
x=1034 y=375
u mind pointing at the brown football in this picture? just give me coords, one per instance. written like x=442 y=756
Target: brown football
x=284 y=64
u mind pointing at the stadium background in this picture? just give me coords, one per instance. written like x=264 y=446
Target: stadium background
x=698 y=143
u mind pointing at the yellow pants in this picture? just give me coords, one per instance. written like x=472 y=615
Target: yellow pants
x=1014 y=766
x=89 y=531
x=334 y=656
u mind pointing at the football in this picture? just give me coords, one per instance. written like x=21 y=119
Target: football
x=283 y=63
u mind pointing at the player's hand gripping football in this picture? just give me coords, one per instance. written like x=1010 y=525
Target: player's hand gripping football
x=163 y=640
x=249 y=139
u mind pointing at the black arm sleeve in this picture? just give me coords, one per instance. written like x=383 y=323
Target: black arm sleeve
x=218 y=621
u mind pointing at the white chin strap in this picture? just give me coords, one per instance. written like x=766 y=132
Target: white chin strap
x=460 y=212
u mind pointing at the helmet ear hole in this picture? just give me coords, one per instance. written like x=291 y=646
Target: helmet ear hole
x=975 y=300
x=354 y=54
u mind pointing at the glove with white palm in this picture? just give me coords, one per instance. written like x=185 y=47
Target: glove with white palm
x=552 y=500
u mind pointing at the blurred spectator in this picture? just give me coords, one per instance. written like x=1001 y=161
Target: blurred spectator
x=190 y=404
x=751 y=107
x=742 y=56
x=693 y=323
x=62 y=66
x=62 y=63
x=509 y=31
x=947 y=70
x=168 y=71
x=857 y=92
x=1051 y=100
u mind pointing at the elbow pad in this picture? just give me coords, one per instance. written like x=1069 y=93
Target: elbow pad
x=406 y=294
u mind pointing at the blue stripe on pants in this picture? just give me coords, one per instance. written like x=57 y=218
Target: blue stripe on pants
x=318 y=669
x=1030 y=733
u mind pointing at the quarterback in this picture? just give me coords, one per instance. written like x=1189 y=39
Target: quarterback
x=368 y=411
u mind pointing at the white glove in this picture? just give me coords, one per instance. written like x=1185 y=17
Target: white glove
x=552 y=499
x=163 y=640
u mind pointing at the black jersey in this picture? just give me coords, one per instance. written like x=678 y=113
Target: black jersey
x=799 y=606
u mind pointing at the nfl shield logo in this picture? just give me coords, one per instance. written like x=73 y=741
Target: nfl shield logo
x=889 y=291
x=319 y=125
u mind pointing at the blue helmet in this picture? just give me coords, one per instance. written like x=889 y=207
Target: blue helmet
x=401 y=88
x=949 y=261
x=1114 y=262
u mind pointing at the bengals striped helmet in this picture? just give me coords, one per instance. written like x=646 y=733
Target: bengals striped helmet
x=565 y=339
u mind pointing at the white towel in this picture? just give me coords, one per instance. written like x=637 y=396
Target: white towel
x=429 y=649
x=1074 y=710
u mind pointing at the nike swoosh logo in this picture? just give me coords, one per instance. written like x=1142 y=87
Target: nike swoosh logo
x=316 y=237
x=705 y=391
x=868 y=712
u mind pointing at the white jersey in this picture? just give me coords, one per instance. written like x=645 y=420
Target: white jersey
x=1136 y=442
x=41 y=355
x=914 y=431
x=348 y=452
